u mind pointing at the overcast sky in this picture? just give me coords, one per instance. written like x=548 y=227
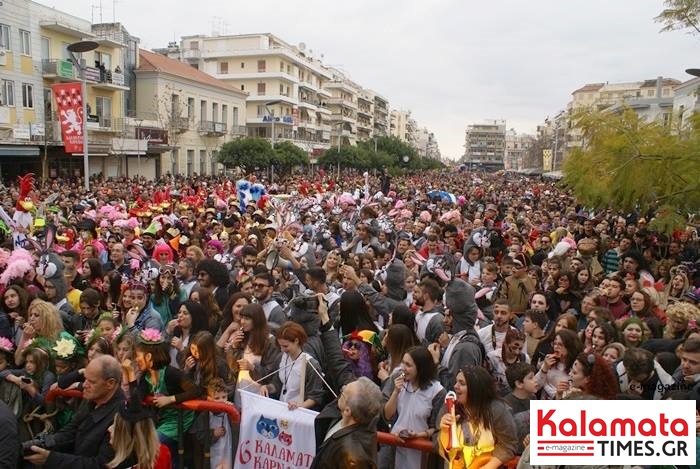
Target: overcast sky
x=451 y=62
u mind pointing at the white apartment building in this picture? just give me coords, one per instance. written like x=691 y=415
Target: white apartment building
x=651 y=99
x=686 y=100
x=517 y=148
x=402 y=126
x=381 y=113
x=485 y=144
x=285 y=84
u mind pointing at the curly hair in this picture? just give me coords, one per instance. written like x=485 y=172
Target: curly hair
x=601 y=379
x=216 y=270
x=51 y=325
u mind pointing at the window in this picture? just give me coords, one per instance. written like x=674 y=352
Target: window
x=666 y=92
x=45 y=48
x=194 y=45
x=202 y=162
x=175 y=105
x=223 y=67
x=261 y=110
x=224 y=113
x=7 y=93
x=4 y=37
x=261 y=65
x=261 y=88
x=202 y=113
x=27 y=95
x=65 y=54
x=650 y=92
x=281 y=66
x=235 y=116
x=103 y=108
x=174 y=162
x=242 y=64
x=289 y=69
x=242 y=87
x=215 y=112
x=190 y=108
x=25 y=41
x=104 y=59
x=281 y=88
x=190 y=162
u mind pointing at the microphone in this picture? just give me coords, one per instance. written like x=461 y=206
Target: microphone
x=450 y=402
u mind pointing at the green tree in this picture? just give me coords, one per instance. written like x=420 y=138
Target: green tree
x=247 y=153
x=287 y=155
x=630 y=163
x=679 y=15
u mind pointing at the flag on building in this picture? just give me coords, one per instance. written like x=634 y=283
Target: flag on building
x=69 y=103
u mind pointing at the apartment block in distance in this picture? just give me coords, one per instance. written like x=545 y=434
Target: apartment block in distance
x=285 y=84
x=485 y=145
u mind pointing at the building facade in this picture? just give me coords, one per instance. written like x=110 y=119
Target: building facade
x=485 y=144
x=33 y=57
x=199 y=112
x=285 y=84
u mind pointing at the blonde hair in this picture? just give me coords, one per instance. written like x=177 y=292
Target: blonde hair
x=139 y=438
x=198 y=253
x=51 y=324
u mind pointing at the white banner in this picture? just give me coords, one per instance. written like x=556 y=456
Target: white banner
x=273 y=437
x=596 y=432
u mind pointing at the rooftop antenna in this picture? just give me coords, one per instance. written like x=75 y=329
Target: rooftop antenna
x=96 y=7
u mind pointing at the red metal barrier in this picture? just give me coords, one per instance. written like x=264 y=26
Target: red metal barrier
x=421 y=444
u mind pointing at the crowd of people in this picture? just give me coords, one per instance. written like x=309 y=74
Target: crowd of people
x=366 y=299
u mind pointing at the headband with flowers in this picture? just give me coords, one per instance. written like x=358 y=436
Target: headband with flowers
x=151 y=337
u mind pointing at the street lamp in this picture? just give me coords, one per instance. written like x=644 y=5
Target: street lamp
x=138 y=142
x=79 y=48
x=272 y=116
x=693 y=71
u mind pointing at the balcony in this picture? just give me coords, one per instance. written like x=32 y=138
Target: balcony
x=365 y=110
x=238 y=131
x=101 y=124
x=179 y=124
x=57 y=69
x=62 y=27
x=212 y=128
x=342 y=102
x=105 y=79
x=114 y=39
x=191 y=54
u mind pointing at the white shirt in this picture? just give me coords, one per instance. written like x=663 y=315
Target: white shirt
x=422 y=320
x=290 y=376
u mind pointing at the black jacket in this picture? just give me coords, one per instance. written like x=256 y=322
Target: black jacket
x=85 y=439
x=350 y=447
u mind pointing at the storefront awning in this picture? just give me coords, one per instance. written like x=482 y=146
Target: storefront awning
x=19 y=150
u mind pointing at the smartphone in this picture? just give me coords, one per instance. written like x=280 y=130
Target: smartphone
x=26 y=380
x=403 y=434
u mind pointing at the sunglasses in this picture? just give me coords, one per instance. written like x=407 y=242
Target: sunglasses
x=354 y=345
x=260 y=285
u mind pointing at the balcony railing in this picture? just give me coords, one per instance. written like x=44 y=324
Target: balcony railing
x=58 y=67
x=180 y=124
x=238 y=130
x=212 y=128
x=192 y=53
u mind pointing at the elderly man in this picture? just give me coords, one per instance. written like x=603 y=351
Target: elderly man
x=346 y=429
x=84 y=442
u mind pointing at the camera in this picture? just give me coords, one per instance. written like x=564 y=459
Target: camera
x=306 y=303
x=42 y=440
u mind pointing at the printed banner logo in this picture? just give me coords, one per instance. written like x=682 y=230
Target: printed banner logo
x=272 y=436
x=612 y=432
x=69 y=102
